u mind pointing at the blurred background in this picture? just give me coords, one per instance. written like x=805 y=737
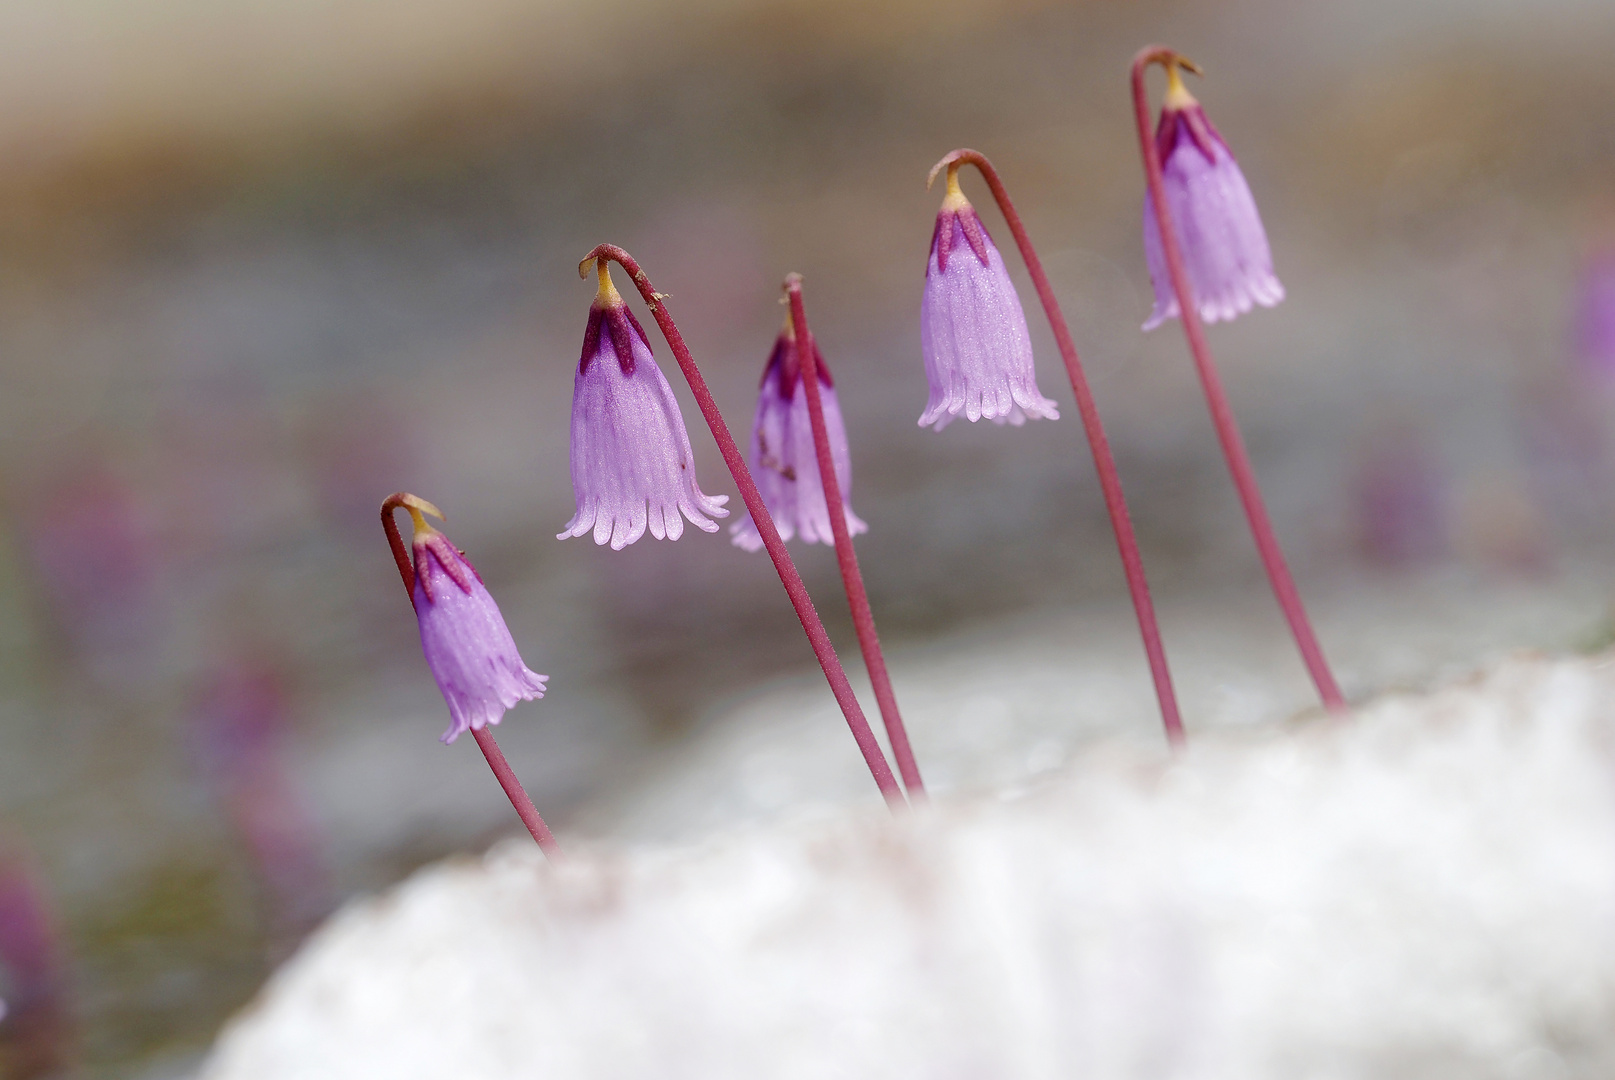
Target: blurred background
x=261 y=265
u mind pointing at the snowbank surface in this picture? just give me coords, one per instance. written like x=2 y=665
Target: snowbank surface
x=1424 y=891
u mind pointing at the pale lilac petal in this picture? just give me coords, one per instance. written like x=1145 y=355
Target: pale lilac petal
x=784 y=460
x=631 y=452
x=812 y=510
x=769 y=456
x=467 y=645
x=744 y=535
x=973 y=336
x=1224 y=246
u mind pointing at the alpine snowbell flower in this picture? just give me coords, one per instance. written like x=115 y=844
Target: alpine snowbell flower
x=1224 y=245
x=1093 y=429
x=782 y=454
x=468 y=647
x=630 y=450
x=1208 y=259
x=978 y=354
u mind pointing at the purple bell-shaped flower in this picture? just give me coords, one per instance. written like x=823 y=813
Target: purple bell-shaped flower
x=468 y=647
x=978 y=354
x=782 y=454
x=1224 y=246
x=632 y=467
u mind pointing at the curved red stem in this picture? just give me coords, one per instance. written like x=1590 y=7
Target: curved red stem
x=1222 y=413
x=812 y=625
x=1110 y=483
x=852 y=578
x=395 y=540
x=502 y=771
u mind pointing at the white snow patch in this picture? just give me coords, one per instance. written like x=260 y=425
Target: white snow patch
x=1426 y=890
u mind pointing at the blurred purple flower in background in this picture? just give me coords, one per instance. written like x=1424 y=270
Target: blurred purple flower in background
x=629 y=446
x=240 y=723
x=978 y=354
x=1595 y=316
x=359 y=444
x=35 y=1026
x=1401 y=500
x=1224 y=246
x=782 y=454
x=97 y=559
x=467 y=644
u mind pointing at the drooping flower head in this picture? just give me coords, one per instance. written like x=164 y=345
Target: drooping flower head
x=783 y=458
x=1224 y=246
x=468 y=647
x=978 y=354
x=630 y=450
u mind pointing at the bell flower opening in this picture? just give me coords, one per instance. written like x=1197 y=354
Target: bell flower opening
x=1219 y=230
x=632 y=467
x=973 y=336
x=782 y=455
x=468 y=647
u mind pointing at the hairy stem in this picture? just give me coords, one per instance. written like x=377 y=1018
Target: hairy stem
x=812 y=625
x=1222 y=413
x=1110 y=483
x=852 y=578
x=490 y=747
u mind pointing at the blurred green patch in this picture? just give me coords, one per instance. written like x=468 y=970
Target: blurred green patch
x=1599 y=637
x=184 y=947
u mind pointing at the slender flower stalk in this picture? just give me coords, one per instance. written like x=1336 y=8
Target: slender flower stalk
x=852 y=578
x=812 y=625
x=512 y=685
x=1110 y=484
x=1222 y=413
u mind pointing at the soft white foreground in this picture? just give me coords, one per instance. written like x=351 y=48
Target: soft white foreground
x=1425 y=891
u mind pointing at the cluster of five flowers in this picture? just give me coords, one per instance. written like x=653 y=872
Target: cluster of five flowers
x=633 y=470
